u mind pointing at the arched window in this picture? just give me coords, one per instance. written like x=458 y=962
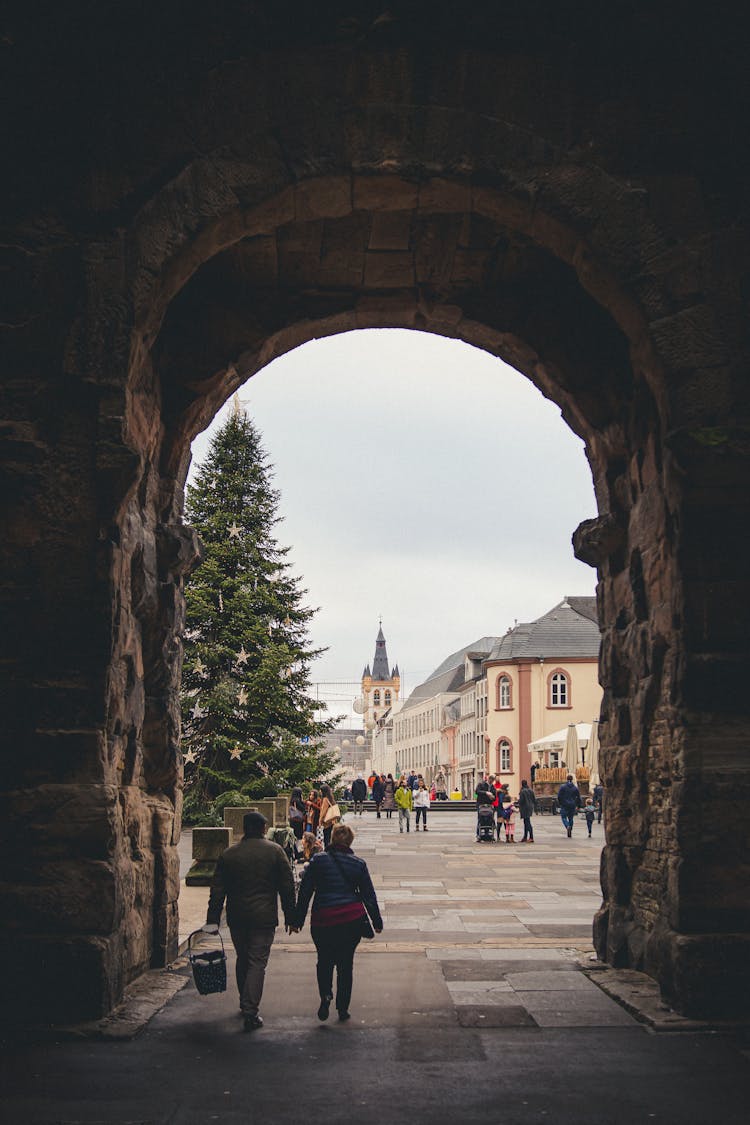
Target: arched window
x=504 y=756
x=376 y=698
x=559 y=689
x=504 y=693
x=387 y=699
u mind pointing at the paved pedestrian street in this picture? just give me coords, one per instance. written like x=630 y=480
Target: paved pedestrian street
x=505 y=924
x=472 y=1006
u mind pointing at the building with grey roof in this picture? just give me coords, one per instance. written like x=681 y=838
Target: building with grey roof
x=478 y=709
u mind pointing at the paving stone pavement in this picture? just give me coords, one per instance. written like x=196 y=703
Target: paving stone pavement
x=452 y=1020
x=449 y=899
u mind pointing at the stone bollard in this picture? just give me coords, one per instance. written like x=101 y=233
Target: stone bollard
x=234 y=815
x=281 y=813
x=208 y=844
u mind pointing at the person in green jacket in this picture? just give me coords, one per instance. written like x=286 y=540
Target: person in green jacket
x=404 y=804
x=251 y=875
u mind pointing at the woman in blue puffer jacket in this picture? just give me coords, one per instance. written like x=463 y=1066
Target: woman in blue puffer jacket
x=344 y=896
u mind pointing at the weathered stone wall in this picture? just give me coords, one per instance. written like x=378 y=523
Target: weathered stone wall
x=558 y=195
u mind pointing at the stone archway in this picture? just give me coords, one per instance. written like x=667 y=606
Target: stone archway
x=366 y=206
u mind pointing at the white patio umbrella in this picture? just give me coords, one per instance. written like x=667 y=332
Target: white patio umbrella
x=593 y=752
x=558 y=739
x=571 y=748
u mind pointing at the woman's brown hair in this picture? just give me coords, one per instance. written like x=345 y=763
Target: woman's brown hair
x=342 y=835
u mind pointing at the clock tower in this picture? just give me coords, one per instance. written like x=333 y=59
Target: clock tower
x=380 y=686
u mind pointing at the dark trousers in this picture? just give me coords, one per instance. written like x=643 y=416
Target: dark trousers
x=253 y=947
x=528 y=831
x=377 y=808
x=423 y=812
x=327 y=836
x=336 y=946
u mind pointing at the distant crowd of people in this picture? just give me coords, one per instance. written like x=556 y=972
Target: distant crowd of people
x=311 y=861
x=496 y=808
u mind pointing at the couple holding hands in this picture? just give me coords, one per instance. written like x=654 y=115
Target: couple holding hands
x=251 y=875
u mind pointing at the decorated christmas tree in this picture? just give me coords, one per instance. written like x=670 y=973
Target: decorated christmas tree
x=249 y=724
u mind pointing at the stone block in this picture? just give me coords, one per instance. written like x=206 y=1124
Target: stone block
x=233 y=815
x=209 y=843
x=384 y=193
x=390 y=231
x=281 y=810
x=201 y=873
x=60 y=978
x=389 y=269
x=323 y=197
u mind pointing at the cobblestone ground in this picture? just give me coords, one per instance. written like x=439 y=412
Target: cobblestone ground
x=500 y=926
x=470 y=1007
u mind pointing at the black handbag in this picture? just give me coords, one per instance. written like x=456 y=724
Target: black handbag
x=365 y=927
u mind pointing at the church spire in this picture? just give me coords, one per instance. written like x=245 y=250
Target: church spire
x=380 y=669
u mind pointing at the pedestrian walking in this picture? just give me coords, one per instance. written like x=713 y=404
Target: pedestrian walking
x=405 y=804
x=569 y=800
x=421 y=802
x=378 y=792
x=526 y=809
x=590 y=813
x=599 y=801
x=329 y=813
x=389 y=796
x=359 y=794
x=250 y=876
x=297 y=812
x=344 y=897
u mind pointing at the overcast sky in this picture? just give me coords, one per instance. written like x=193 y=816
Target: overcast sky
x=422 y=480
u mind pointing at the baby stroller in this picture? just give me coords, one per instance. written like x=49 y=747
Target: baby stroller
x=286 y=839
x=486 y=823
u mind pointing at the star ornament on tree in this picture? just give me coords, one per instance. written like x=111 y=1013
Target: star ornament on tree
x=242 y=697
x=198 y=712
x=234 y=530
x=242 y=656
x=191 y=757
x=199 y=667
x=236 y=754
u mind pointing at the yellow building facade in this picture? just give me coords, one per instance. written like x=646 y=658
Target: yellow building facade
x=541 y=676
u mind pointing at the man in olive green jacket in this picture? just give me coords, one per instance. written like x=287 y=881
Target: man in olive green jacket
x=250 y=876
